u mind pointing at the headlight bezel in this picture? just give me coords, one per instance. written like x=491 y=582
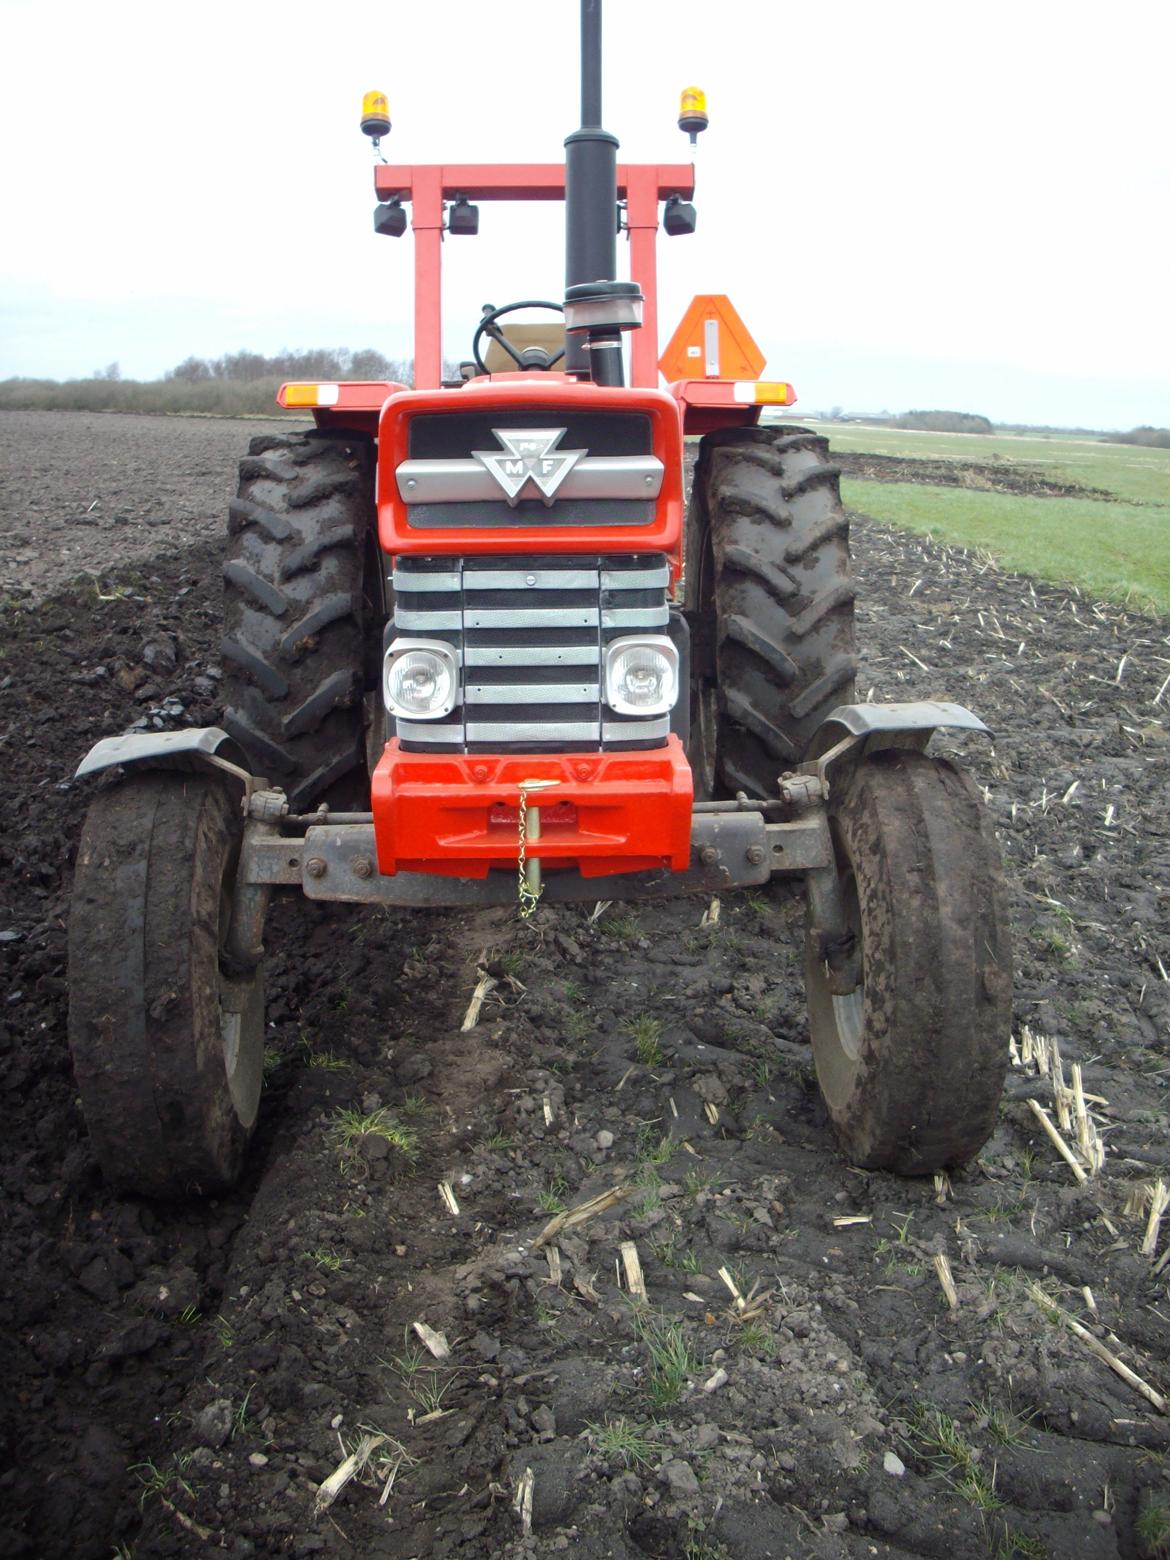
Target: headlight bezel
x=658 y=644
x=448 y=661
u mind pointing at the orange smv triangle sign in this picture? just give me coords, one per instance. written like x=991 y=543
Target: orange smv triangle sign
x=711 y=342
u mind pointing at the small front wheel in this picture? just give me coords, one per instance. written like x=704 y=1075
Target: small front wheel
x=167 y=1034
x=911 y=1064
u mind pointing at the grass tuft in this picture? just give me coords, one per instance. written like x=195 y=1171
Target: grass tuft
x=645 y=1031
x=635 y=1444
x=356 y=1135
x=1152 y=1528
x=671 y=1362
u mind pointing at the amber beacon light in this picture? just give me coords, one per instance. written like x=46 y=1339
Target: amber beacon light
x=692 y=112
x=376 y=115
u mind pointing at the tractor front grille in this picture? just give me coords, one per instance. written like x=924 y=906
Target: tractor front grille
x=529 y=634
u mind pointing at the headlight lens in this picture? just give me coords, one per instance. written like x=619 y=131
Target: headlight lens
x=420 y=679
x=641 y=675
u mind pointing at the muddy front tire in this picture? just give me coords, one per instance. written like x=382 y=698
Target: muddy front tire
x=770 y=602
x=167 y=1036
x=302 y=612
x=911 y=1064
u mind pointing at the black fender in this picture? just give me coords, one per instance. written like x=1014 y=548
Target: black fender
x=866 y=728
x=193 y=748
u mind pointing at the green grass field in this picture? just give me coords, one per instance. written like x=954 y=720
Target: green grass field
x=1119 y=551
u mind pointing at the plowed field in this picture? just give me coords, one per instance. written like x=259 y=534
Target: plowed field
x=180 y=1381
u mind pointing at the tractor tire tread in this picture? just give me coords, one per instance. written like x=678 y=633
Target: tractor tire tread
x=334 y=693
x=330 y=609
x=743 y=631
x=242 y=512
x=774 y=583
x=300 y=606
x=264 y=594
x=773 y=738
x=267 y=677
x=308 y=555
x=781 y=582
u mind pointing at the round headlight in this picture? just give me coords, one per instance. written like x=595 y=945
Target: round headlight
x=641 y=676
x=420 y=680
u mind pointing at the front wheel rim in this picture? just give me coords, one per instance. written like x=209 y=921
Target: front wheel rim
x=240 y=1026
x=849 y=1010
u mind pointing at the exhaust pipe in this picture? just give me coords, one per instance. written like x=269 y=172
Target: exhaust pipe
x=590 y=191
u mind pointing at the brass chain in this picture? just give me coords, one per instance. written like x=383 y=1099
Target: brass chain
x=529 y=897
x=528 y=900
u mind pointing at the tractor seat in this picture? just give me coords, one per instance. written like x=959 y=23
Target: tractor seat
x=541 y=333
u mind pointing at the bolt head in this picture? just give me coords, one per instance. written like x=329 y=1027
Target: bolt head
x=755 y=854
x=315 y=867
x=479 y=773
x=363 y=867
x=708 y=855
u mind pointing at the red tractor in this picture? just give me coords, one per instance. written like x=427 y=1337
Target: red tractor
x=482 y=649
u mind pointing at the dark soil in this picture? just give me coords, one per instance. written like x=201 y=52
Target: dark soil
x=181 y=1380
x=995 y=476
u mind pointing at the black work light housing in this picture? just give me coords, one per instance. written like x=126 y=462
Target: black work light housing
x=390 y=219
x=462 y=217
x=678 y=216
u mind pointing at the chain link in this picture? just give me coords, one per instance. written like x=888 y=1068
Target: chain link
x=528 y=899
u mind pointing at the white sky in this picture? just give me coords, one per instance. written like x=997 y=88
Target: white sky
x=910 y=204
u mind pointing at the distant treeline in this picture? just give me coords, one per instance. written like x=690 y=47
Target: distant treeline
x=1152 y=438
x=970 y=422
x=318 y=363
x=239 y=384
x=943 y=422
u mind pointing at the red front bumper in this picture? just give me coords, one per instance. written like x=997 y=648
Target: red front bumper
x=457 y=815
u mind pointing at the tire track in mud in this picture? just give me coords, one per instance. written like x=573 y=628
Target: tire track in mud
x=857 y=1415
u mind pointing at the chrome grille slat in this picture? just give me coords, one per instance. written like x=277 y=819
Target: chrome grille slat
x=514 y=733
x=430 y=731
x=531 y=693
x=530 y=579
x=635 y=617
x=470 y=481
x=635 y=579
x=624 y=730
x=530 y=617
x=428 y=620
x=531 y=655
x=450 y=581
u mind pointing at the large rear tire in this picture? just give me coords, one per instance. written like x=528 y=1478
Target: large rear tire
x=770 y=601
x=302 y=607
x=167 y=1038
x=911 y=1064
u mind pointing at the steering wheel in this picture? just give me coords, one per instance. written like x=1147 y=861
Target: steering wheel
x=530 y=357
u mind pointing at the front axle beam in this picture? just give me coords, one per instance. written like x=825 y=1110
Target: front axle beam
x=729 y=849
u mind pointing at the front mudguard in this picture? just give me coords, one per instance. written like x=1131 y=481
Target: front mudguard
x=856 y=729
x=193 y=748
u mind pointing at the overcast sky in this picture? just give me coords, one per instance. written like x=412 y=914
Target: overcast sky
x=911 y=204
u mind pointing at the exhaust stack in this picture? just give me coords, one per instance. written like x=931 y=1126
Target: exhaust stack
x=590 y=193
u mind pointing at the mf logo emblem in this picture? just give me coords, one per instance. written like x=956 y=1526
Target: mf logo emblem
x=529 y=455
